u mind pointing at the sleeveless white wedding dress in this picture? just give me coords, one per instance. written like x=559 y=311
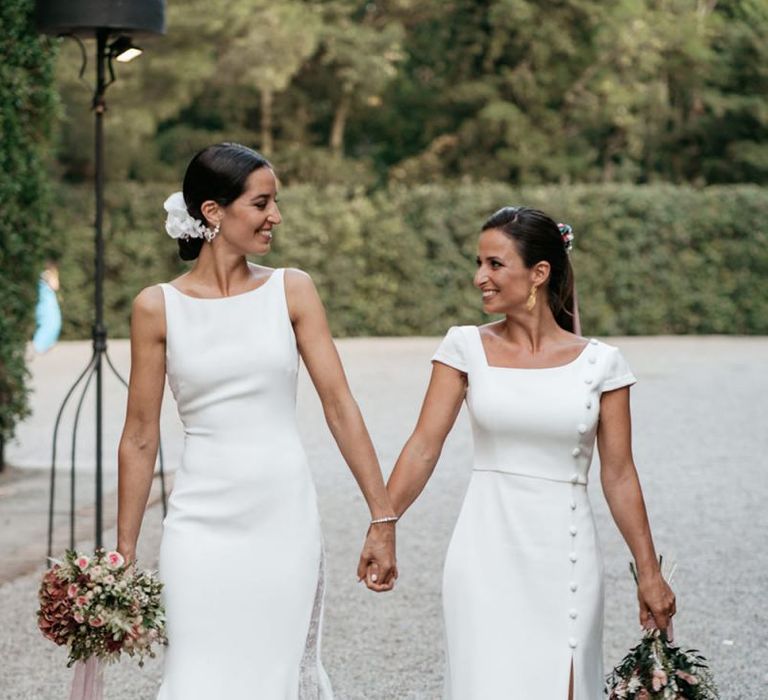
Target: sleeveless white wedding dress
x=241 y=555
x=523 y=577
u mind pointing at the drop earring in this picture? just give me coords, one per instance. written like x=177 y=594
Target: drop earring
x=531 y=301
x=210 y=234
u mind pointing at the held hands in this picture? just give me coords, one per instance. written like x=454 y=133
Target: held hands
x=377 y=565
x=657 y=603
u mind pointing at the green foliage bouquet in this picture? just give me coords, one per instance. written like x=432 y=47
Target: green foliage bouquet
x=655 y=669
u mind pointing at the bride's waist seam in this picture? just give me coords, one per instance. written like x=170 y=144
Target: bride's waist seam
x=575 y=479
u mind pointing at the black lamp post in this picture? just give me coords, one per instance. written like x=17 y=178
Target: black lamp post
x=112 y=23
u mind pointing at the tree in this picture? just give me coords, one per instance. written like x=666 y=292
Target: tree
x=361 y=53
x=268 y=44
x=732 y=125
x=519 y=90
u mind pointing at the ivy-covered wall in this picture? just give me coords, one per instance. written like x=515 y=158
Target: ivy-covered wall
x=27 y=109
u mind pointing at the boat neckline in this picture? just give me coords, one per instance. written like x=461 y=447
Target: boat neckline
x=231 y=296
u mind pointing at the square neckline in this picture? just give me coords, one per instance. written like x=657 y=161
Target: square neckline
x=582 y=352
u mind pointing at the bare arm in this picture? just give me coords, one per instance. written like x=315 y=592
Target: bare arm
x=419 y=456
x=621 y=487
x=343 y=417
x=141 y=432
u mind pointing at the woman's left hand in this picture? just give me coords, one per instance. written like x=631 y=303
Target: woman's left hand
x=657 y=603
x=377 y=565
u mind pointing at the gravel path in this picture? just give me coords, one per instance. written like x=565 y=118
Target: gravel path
x=699 y=413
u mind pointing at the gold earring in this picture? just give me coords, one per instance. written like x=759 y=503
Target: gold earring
x=531 y=301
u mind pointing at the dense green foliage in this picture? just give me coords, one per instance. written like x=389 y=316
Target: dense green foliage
x=522 y=91
x=648 y=260
x=397 y=126
x=27 y=107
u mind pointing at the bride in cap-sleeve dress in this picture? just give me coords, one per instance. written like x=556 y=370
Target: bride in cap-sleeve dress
x=523 y=576
x=523 y=572
x=241 y=555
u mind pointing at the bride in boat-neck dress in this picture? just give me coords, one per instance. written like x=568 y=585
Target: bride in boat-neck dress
x=241 y=555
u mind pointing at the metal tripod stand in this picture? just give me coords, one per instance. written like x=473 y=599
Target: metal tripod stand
x=95 y=367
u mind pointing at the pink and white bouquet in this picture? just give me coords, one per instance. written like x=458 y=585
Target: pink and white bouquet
x=657 y=670
x=99 y=607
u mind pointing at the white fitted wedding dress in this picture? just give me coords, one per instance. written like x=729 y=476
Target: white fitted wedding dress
x=523 y=577
x=241 y=555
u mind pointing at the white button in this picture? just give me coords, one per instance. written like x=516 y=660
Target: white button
x=573 y=529
x=575 y=479
x=593 y=341
x=582 y=428
x=574 y=586
x=589 y=403
x=572 y=643
x=588 y=380
x=576 y=451
x=592 y=359
x=572 y=556
x=573 y=613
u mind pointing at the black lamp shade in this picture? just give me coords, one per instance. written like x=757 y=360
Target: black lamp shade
x=84 y=17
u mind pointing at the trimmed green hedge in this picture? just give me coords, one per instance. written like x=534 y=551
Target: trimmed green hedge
x=648 y=260
x=27 y=108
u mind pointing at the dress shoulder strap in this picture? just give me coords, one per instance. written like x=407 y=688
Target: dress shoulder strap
x=170 y=302
x=278 y=293
x=167 y=295
x=279 y=275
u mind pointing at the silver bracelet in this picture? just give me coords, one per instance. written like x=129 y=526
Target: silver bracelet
x=385 y=519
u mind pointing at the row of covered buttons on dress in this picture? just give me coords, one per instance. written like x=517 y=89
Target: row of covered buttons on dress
x=576 y=479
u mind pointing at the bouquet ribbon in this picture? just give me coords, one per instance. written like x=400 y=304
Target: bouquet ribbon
x=88 y=683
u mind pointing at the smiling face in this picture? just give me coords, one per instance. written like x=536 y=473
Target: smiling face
x=502 y=277
x=247 y=223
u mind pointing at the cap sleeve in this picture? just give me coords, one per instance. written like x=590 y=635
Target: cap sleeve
x=618 y=373
x=453 y=350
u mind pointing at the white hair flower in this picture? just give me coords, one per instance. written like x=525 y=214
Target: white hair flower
x=179 y=223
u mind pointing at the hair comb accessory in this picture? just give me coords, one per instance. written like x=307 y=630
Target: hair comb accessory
x=566 y=233
x=179 y=223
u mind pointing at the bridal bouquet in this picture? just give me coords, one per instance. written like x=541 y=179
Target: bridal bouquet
x=99 y=608
x=657 y=670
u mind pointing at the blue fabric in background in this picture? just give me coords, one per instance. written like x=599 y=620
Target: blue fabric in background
x=47 y=318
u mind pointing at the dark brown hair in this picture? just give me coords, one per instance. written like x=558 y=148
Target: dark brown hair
x=218 y=173
x=538 y=238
